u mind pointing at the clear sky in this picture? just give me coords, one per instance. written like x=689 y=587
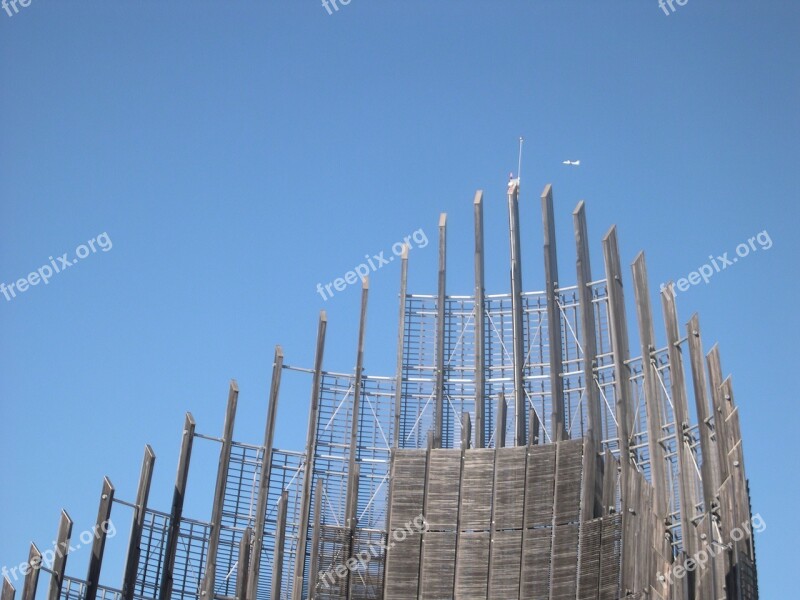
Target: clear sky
x=236 y=154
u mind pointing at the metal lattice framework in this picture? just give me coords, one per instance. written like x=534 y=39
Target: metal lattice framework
x=656 y=475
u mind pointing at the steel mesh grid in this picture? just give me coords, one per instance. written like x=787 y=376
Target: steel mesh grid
x=153 y=551
x=190 y=559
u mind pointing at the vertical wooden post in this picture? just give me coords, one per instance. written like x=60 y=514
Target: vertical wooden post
x=32 y=577
x=466 y=431
x=720 y=412
x=99 y=543
x=554 y=332
x=535 y=426
x=592 y=490
x=516 y=314
x=280 y=542
x=502 y=422
x=686 y=478
x=441 y=315
x=8 y=590
x=313 y=568
x=209 y=579
x=652 y=391
x=264 y=477
x=176 y=512
x=351 y=521
x=311 y=451
x=708 y=448
x=480 y=324
x=243 y=566
x=60 y=562
x=353 y=469
x=134 y=549
x=401 y=333
x=618 y=326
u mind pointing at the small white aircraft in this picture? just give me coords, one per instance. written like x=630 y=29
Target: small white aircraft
x=575 y=163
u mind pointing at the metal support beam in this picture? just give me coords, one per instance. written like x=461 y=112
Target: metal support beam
x=60 y=561
x=652 y=392
x=441 y=314
x=592 y=487
x=683 y=449
x=516 y=314
x=558 y=424
x=243 y=566
x=209 y=579
x=99 y=543
x=311 y=451
x=31 y=583
x=280 y=542
x=176 y=512
x=135 y=539
x=313 y=565
x=264 y=477
x=480 y=324
x=401 y=333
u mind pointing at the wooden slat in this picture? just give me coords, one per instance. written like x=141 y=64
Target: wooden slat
x=472 y=565
x=402 y=567
x=476 y=501
x=443 y=489
x=437 y=578
x=504 y=570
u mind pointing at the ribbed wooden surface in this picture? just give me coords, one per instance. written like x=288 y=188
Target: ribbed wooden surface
x=402 y=568
x=540 y=485
x=536 y=563
x=478 y=480
x=408 y=486
x=438 y=567
x=509 y=491
x=563 y=580
x=472 y=567
x=443 y=489
x=589 y=561
x=610 y=557
x=505 y=564
x=569 y=463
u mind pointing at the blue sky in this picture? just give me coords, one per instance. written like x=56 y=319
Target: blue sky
x=237 y=154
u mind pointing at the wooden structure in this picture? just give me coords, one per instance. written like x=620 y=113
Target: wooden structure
x=518 y=451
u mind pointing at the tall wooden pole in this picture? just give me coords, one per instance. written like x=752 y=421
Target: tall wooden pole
x=308 y=470
x=254 y=570
x=480 y=324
